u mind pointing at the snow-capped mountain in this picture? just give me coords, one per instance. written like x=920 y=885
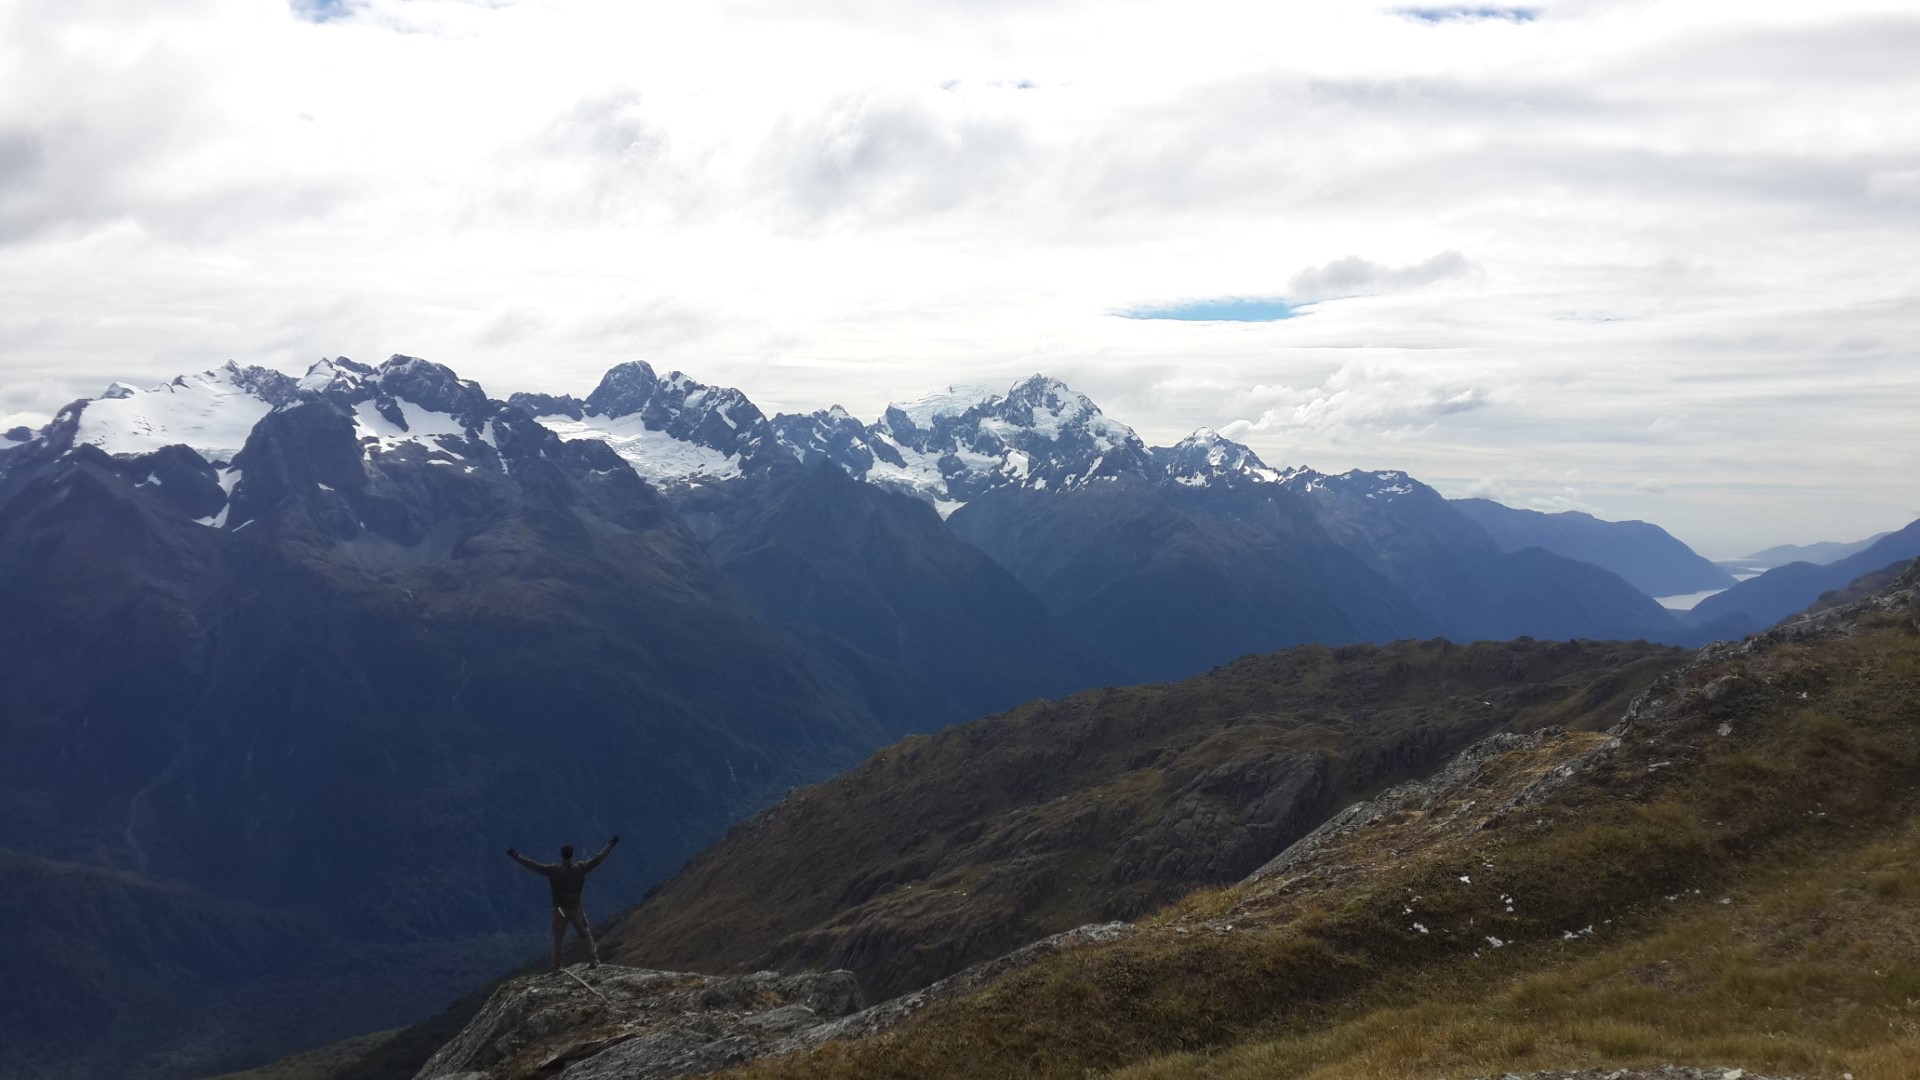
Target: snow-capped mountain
x=671 y=430
x=211 y=411
x=832 y=434
x=1207 y=457
x=946 y=448
x=1383 y=485
x=951 y=447
x=407 y=406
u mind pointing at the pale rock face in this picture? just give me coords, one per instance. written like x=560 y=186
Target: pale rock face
x=616 y=1023
x=585 y=1024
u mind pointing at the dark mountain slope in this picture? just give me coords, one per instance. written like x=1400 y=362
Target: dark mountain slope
x=1167 y=592
x=1645 y=555
x=387 y=656
x=1171 y=578
x=878 y=574
x=942 y=851
x=1784 y=590
x=116 y=975
x=389 y=650
x=1453 y=569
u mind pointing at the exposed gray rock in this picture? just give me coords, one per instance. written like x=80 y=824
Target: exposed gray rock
x=1424 y=794
x=636 y=1024
x=617 y=1023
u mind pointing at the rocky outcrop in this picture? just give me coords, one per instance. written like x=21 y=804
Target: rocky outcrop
x=619 y=1023
x=586 y=1024
x=1422 y=796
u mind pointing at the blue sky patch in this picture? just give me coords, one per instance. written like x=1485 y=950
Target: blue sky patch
x=319 y=10
x=1225 y=309
x=1468 y=14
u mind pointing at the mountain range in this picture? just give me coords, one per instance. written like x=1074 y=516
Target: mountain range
x=314 y=649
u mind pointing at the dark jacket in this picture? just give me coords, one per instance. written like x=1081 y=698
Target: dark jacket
x=567 y=878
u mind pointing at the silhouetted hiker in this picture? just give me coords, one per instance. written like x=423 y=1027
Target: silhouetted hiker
x=568 y=878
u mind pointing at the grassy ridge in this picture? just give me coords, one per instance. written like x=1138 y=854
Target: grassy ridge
x=942 y=851
x=1808 y=796
x=1810 y=967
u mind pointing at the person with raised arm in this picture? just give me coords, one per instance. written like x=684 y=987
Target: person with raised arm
x=568 y=879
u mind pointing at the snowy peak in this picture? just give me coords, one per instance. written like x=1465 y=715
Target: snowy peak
x=350 y=417
x=404 y=400
x=211 y=412
x=672 y=429
x=916 y=421
x=339 y=379
x=1206 y=457
x=1381 y=486
x=624 y=390
x=955 y=445
x=1047 y=406
x=947 y=448
x=435 y=388
x=833 y=434
x=432 y=387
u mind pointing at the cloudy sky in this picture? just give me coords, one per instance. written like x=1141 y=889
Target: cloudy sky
x=1649 y=259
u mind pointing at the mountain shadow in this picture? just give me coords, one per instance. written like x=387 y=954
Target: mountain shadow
x=876 y=578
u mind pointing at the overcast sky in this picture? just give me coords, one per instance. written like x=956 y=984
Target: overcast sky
x=1647 y=259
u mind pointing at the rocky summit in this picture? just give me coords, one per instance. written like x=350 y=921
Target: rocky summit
x=613 y=1022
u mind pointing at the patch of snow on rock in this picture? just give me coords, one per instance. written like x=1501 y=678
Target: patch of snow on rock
x=655 y=455
x=210 y=412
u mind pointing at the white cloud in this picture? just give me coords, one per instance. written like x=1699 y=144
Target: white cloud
x=1357 y=404
x=1355 y=276
x=1551 y=236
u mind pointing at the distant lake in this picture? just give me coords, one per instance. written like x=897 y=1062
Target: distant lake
x=1686 y=601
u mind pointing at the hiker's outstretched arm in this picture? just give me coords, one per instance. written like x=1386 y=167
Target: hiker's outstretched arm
x=604 y=852
x=536 y=867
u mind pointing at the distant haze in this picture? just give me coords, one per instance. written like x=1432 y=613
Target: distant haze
x=1651 y=259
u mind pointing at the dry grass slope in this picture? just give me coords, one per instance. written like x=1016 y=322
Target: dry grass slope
x=1780 y=780
x=943 y=851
